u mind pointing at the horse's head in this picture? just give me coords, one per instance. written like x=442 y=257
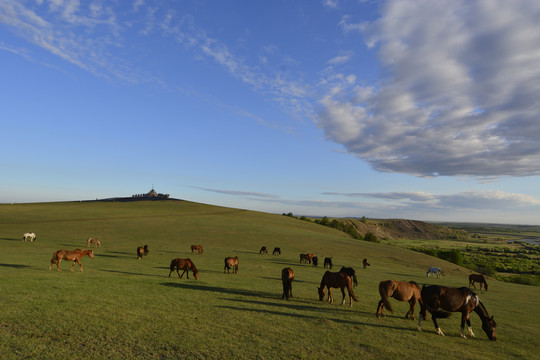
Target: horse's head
x=321 y=293
x=91 y=253
x=489 y=325
x=196 y=274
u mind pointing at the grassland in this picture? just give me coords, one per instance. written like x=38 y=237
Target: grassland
x=124 y=308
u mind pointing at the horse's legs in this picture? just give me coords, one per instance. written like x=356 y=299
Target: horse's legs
x=343 y=294
x=422 y=315
x=410 y=313
x=185 y=272
x=469 y=325
x=330 y=297
x=58 y=265
x=290 y=288
x=380 y=306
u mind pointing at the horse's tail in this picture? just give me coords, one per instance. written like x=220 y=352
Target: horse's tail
x=351 y=292
x=384 y=297
x=354 y=279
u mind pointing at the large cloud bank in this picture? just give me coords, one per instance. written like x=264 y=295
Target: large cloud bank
x=460 y=93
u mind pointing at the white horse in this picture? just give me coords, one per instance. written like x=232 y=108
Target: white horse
x=29 y=237
x=435 y=271
x=94 y=241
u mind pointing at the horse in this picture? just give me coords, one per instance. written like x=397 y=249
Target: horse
x=277 y=251
x=435 y=271
x=184 y=264
x=479 y=279
x=231 y=262
x=451 y=299
x=350 y=271
x=140 y=252
x=287 y=277
x=399 y=290
x=263 y=250
x=328 y=262
x=94 y=241
x=336 y=280
x=146 y=250
x=29 y=237
x=75 y=256
x=305 y=258
x=197 y=248
x=315 y=261
x=365 y=263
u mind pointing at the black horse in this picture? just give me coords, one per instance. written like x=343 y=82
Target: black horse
x=328 y=262
x=450 y=299
x=352 y=274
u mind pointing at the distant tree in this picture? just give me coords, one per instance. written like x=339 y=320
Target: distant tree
x=371 y=237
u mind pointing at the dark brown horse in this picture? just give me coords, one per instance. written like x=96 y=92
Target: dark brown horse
x=402 y=291
x=287 y=277
x=263 y=250
x=450 y=299
x=231 y=262
x=365 y=263
x=336 y=280
x=146 y=250
x=350 y=271
x=197 y=248
x=479 y=279
x=70 y=255
x=328 y=262
x=277 y=251
x=184 y=264
x=305 y=258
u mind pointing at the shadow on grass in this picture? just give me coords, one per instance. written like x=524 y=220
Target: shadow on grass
x=220 y=290
x=15 y=266
x=12 y=239
x=131 y=273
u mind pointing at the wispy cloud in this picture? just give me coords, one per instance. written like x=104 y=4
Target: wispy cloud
x=238 y=193
x=460 y=96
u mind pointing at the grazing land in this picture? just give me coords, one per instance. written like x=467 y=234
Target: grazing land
x=124 y=308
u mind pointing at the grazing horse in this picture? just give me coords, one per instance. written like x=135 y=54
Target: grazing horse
x=305 y=258
x=29 y=237
x=479 y=279
x=75 y=256
x=94 y=241
x=399 y=290
x=315 y=261
x=287 y=277
x=184 y=264
x=450 y=299
x=146 y=250
x=277 y=251
x=231 y=262
x=263 y=250
x=328 y=262
x=365 y=263
x=350 y=271
x=336 y=280
x=140 y=252
x=197 y=248
x=435 y=271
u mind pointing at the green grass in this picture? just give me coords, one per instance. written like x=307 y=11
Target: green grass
x=124 y=308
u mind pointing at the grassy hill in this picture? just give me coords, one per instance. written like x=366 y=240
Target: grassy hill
x=124 y=308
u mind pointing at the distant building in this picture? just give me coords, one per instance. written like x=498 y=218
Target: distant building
x=152 y=194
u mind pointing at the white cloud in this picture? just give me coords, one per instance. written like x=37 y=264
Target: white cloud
x=460 y=92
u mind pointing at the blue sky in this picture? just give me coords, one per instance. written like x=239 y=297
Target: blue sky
x=422 y=110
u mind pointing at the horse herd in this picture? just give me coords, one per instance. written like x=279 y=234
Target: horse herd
x=440 y=301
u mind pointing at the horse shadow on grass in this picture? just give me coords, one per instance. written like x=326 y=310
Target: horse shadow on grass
x=131 y=273
x=15 y=266
x=221 y=290
x=11 y=239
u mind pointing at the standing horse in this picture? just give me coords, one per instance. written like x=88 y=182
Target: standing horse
x=184 y=264
x=350 y=271
x=336 y=280
x=263 y=250
x=328 y=262
x=140 y=252
x=402 y=291
x=315 y=261
x=287 y=277
x=365 y=263
x=75 y=256
x=29 y=237
x=146 y=250
x=479 y=279
x=450 y=299
x=94 y=241
x=305 y=258
x=231 y=262
x=435 y=271
x=277 y=251
x=197 y=248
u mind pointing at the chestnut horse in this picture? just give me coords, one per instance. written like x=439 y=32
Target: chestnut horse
x=336 y=280
x=140 y=252
x=479 y=279
x=287 y=277
x=450 y=299
x=231 y=262
x=197 y=248
x=94 y=241
x=399 y=290
x=70 y=255
x=365 y=263
x=350 y=271
x=184 y=264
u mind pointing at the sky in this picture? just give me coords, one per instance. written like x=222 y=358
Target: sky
x=425 y=110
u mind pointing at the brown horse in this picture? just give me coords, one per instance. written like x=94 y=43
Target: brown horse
x=352 y=274
x=450 y=299
x=184 y=264
x=94 y=241
x=70 y=255
x=287 y=277
x=479 y=279
x=140 y=252
x=146 y=250
x=402 y=291
x=305 y=258
x=263 y=250
x=231 y=262
x=336 y=280
x=197 y=248
x=365 y=263
x=277 y=251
